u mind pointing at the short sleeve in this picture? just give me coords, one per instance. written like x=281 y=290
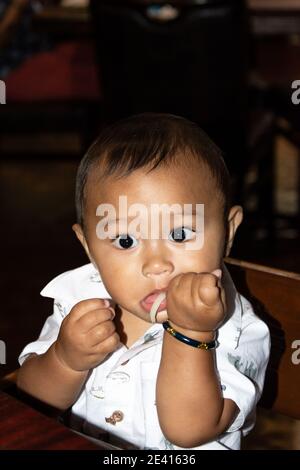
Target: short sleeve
x=49 y=332
x=242 y=372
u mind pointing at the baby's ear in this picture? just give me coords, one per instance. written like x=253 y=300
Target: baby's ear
x=81 y=237
x=235 y=218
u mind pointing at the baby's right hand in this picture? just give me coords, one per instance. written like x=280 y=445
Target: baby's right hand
x=87 y=335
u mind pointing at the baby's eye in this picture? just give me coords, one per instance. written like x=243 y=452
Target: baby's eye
x=124 y=242
x=181 y=234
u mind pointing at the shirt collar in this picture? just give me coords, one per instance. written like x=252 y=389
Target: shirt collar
x=78 y=284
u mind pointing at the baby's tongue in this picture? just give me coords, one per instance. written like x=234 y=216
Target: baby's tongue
x=151 y=298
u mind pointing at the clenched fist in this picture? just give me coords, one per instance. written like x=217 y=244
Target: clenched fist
x=87 y=335
x=196 y=301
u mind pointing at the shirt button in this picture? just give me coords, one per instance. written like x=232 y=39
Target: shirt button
x=116 y=417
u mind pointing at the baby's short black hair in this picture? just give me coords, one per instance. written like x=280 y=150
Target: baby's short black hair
x=150 y=140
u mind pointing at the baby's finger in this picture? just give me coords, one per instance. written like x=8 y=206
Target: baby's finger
x=100 y=333
x=111 y=303
x=207 y=280
x=91 y=319
x=218 y=273
x=85 y=306
x=109 y=345
x=209 y=295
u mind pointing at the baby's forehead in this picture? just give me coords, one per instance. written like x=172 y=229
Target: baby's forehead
x=180 y=183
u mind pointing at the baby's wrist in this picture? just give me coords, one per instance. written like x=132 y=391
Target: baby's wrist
x=59 y=359
x=204 y=336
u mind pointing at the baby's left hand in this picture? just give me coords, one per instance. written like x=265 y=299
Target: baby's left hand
x=196 y=301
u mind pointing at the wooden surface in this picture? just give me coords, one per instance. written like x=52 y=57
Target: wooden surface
x=275 y=296
x=23 y=428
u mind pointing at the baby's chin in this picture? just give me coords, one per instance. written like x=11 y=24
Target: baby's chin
x=161 y=316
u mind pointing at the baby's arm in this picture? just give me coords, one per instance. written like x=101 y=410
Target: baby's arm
x=190 y=405
x=87 y=335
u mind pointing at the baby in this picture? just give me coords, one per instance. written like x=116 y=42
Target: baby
x=155 y=219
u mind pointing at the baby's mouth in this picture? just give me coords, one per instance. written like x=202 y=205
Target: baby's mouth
x=148 y=301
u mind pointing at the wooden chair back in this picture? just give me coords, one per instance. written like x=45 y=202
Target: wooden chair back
x=275 y=295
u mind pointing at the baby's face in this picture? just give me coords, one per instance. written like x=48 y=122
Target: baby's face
x=135 y=264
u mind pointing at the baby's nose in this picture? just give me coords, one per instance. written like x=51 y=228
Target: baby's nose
x=157 y=273
x=156 y=268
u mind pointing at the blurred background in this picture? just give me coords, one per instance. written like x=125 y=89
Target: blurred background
x=70 y=67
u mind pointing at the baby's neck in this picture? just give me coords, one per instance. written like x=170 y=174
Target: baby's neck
x=129 y=327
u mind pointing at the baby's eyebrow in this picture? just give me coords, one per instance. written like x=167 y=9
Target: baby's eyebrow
x=183 y=213
x=122 y=219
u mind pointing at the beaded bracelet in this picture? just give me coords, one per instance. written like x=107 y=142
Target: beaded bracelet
x=187 y=340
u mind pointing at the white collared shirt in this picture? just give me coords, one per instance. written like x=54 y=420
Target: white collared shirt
x=119 y=395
